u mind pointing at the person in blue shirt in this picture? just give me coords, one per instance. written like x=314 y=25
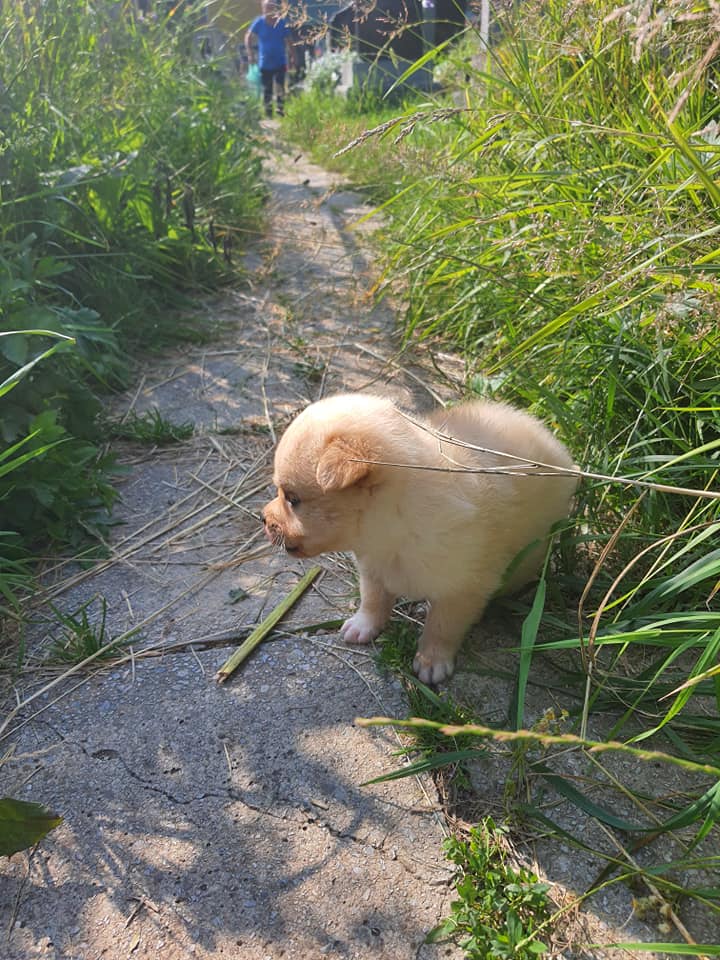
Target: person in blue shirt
x=269 y=38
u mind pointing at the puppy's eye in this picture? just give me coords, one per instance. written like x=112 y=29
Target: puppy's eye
x=292 y=500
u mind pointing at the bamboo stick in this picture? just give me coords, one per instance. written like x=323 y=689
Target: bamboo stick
x=263 y=629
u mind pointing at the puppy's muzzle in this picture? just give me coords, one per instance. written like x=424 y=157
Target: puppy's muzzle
x=276 y=535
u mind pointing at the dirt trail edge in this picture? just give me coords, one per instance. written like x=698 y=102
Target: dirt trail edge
x=206 y=820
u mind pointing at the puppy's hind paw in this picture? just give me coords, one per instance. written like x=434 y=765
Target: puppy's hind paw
x=360 y=629
x=433 y=669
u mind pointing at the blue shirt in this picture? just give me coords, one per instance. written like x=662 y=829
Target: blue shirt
x=271 y=42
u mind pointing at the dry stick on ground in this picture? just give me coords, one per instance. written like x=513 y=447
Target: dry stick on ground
x=134 y=399
x=219 y=494
x=263 y=381
x=222 y=639
x=220 y=449
x=199 y=524
x=60 y=588
x=175 y=375
x=20 y=889
x=213 y=572
x=141 y=902
x=260 y=632
x=198 y=585
x=129 y=551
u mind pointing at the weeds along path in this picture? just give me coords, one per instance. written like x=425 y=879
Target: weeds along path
x=205 y=820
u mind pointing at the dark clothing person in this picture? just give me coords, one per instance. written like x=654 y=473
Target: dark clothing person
x=271 y=78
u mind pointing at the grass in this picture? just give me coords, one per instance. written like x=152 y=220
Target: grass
x=429 y=750
x=130 y=173
x=322 y=123
x=82 y=634
x=557 y=223
x=151 y=427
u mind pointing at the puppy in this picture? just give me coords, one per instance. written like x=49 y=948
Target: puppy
x=354 y=473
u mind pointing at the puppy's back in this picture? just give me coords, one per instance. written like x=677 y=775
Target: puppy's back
x=500 y=427
x=523 y=501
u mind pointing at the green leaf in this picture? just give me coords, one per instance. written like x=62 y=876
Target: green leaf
x=16 y=377
x=527 y=642
x=10 y=451
x=14 y=347
x=23 y=458
x=702 y=569
x=705 y=805
x=445 y=929
x=22 y=824
x=537 y=947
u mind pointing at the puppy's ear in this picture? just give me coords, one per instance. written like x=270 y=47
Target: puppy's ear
x=338 y=465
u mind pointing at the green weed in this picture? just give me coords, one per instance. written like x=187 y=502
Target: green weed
x=500 y=907
x=31 y=440
x=322 y=123
x=15 y=573
x=151 y=427
x=430 y=749
x=397 y=647
x=311 y=371
x=82 y=635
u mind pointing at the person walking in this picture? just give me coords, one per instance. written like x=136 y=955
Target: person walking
x=269 y=37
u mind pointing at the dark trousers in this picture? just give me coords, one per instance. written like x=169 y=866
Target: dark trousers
x=268 y=77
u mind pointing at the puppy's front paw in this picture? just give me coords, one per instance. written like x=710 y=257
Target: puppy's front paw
x=433 y=668
x=360 y=628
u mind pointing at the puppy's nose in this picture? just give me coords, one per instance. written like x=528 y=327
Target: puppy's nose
x=272 y=530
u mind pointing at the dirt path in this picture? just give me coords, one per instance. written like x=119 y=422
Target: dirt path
x=203 y=820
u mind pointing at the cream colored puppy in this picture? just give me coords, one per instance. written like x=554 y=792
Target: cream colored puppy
x=353 y=473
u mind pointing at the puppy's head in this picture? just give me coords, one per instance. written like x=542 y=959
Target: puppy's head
x=323 y=483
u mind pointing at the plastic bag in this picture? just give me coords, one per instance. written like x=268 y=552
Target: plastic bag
x=254 y=81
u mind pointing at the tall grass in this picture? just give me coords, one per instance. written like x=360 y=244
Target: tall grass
x=120 y=152
x=129 y=174
x=570 y=243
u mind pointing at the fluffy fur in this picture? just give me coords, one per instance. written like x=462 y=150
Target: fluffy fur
x=444 y=537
